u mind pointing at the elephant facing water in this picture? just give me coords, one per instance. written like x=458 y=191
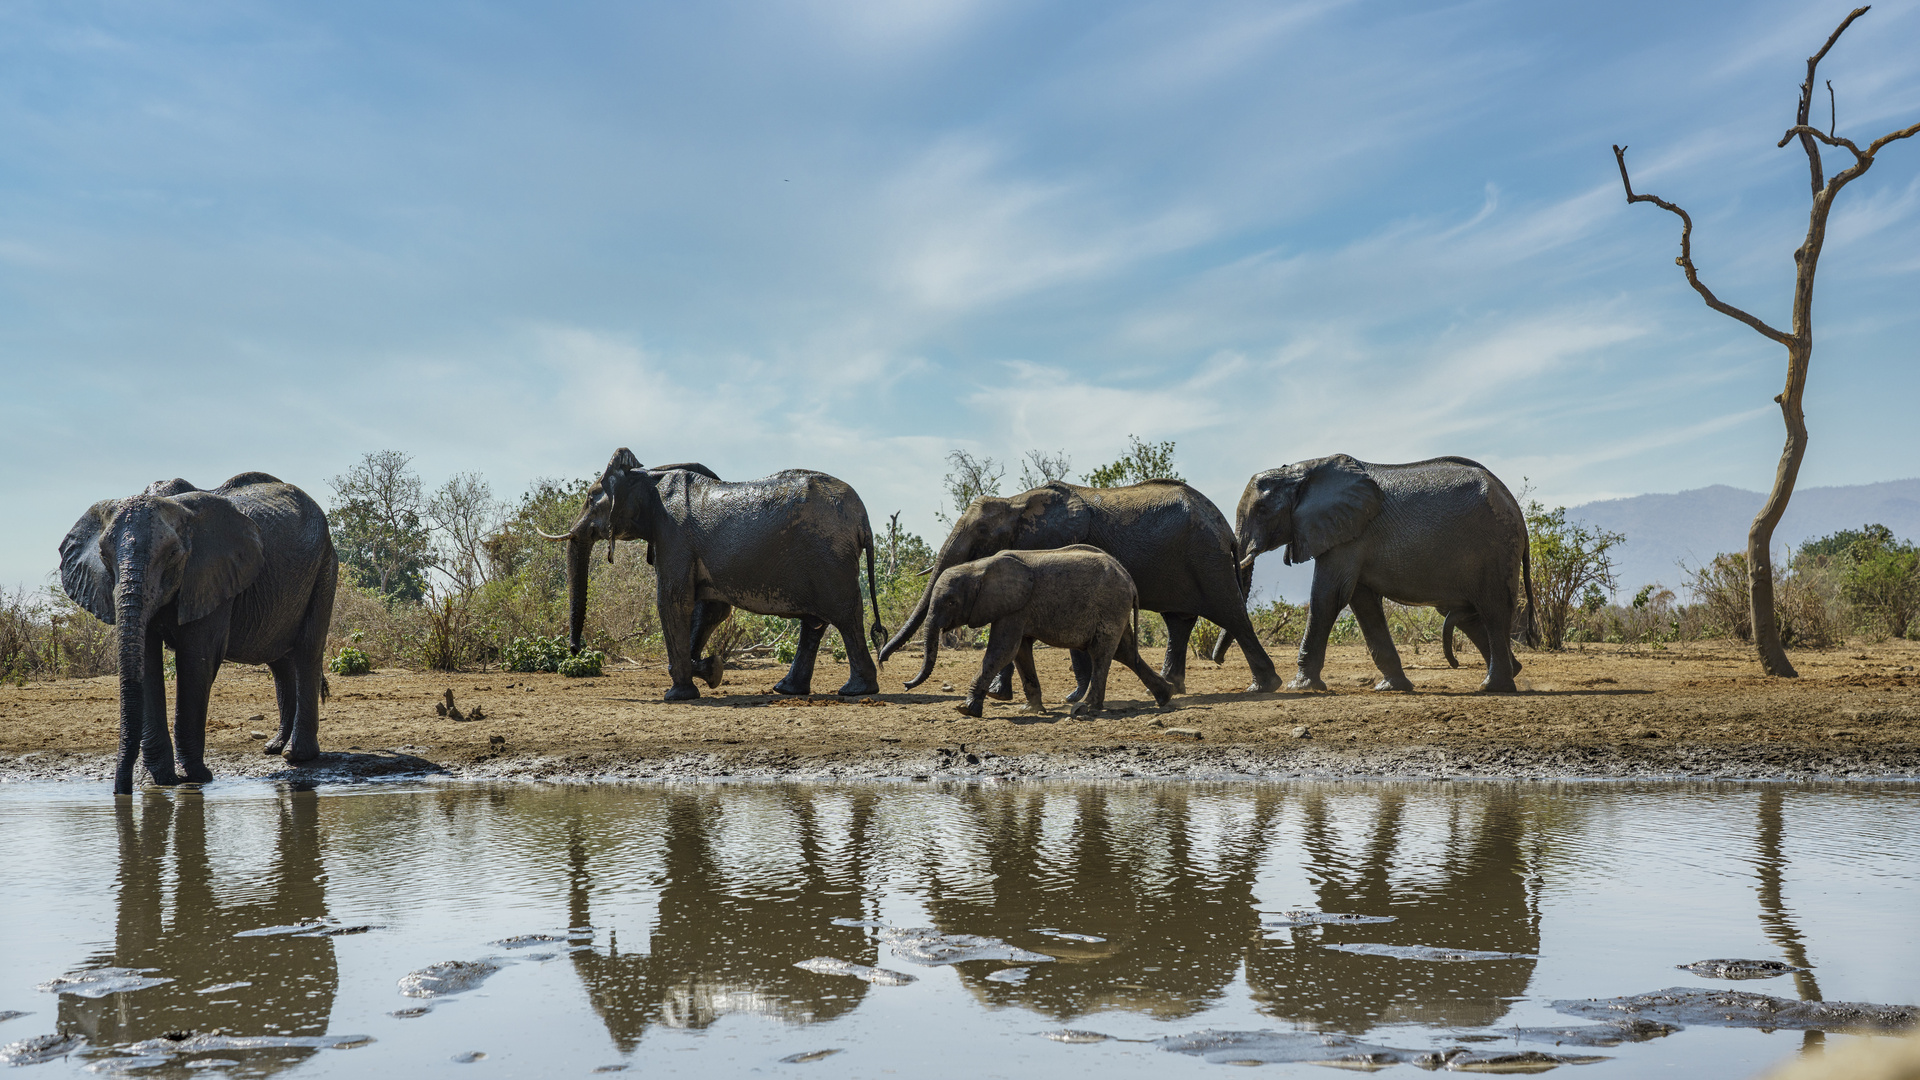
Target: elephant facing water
x=1075 y=597
x=244 y=572
x=1444 y=533
x=1173 y=542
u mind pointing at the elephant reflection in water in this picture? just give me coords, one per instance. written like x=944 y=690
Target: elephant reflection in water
x=287 y=984
x=1182 y=923
x=718 y=947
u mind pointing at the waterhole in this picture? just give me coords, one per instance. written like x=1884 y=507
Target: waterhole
x=1119 y=928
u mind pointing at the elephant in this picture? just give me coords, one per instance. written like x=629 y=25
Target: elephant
x=1447 y=625
x=1076 y=597
x=1444 y=532
x=786 y=545
x=1172 y=540
x=244 y=572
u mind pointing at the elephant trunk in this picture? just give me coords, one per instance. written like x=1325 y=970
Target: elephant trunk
x=138 y=729
x=579 y=552
x=932 y=649
x=951 y=554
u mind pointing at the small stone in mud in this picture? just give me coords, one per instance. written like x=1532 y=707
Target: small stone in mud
x=946 y=687
x=1074 y=1035
x=99 y=982
x=1010 y=975
x=1301 y=732
x=408 y=1014
x=448 y=977
x=469 y=1057
x=257 y=735
x=807 y=1057
x=1425 y=952
x=40 y=1049
x=1739 y=969
x=257 y=718
x=827 y=965
x=1185 y=732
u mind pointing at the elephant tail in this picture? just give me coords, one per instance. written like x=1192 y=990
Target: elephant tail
x=1526 y=575
x=879 y=631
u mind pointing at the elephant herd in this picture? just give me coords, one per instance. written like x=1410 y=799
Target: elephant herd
x=247 y=571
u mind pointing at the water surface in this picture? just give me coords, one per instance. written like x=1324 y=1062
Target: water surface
x=657 y=927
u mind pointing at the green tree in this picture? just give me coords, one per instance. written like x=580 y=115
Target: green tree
x=379 y=526
x=1879 y=573
x=1570 y=566
x=1142 y=461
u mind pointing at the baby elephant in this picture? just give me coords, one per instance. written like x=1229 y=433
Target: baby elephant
x=1075 y=597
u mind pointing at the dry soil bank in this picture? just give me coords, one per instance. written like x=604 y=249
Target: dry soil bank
x=1696 y=710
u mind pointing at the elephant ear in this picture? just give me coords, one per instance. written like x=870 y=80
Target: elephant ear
x=83 y=569
x=1005 y=585
x=1049 y=516
x=224 y=553
x=1333 y=506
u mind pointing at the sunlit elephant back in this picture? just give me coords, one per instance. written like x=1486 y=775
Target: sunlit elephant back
x=1172 y=540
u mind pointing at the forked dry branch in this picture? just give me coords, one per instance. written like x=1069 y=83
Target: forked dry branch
x=1798 y=342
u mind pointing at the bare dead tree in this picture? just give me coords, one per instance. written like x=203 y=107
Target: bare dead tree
x=1798 y=343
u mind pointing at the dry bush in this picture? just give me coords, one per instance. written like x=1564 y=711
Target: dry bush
x=1810 y=605
x=48 y=636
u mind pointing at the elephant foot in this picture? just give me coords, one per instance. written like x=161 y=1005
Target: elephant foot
x=708 y=668
x=302 y=752
x=1080 y=709
x=1398 y=683
x=681 y=692
x=1000 y=693
x=788 y=686
x=169 y=778
x=199 y=774
x=857 y=687
x=1266 y=683
x=1306 y=682
x=1505 y=686
x=1161 y=699
x=273 y=748
x=971 y=707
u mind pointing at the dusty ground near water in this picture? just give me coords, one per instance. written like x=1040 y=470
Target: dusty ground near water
x=1700 y=710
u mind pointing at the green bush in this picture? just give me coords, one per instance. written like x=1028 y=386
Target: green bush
x=584 y=664
x=350 y=661
x=538 y=654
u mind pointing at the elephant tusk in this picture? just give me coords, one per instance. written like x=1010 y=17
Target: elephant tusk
x=550 y=536
x=1247 y=563
x=925 y=572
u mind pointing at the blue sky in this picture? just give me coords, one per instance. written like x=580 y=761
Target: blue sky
x=854 y=236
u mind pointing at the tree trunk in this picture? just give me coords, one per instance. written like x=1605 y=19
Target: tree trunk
x=1766 y=627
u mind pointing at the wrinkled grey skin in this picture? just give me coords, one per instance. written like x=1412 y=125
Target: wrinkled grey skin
x=1444 y=533
x=788 y=545
x=1076 y=597
x=244 y=572
x=1171 y=539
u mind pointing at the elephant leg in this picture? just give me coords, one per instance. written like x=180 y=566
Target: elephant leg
x=1179 y=632
x=1497 y=625
x=1331 y=592
x=1100 y=653
x=307 y=671
x=1128 y=653
x=707 y=617
x=1029 y=676
x=1229 y=613
x=155 y=748
x=676 y=625
x=799 y=678
x=862 y=676
x=1372 y=618
x=1082 y=674
x=286 y=695
x=1476 y=632
x=1003 y=641
x=1001 y=689
x=197 y=652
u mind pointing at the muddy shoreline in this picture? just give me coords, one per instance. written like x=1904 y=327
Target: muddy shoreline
x=1686 y=711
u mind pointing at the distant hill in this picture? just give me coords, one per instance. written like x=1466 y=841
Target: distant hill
x=1663 y=530
x=1693 y=526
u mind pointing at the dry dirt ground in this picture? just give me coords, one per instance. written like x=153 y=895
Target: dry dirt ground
x=1699 y=710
